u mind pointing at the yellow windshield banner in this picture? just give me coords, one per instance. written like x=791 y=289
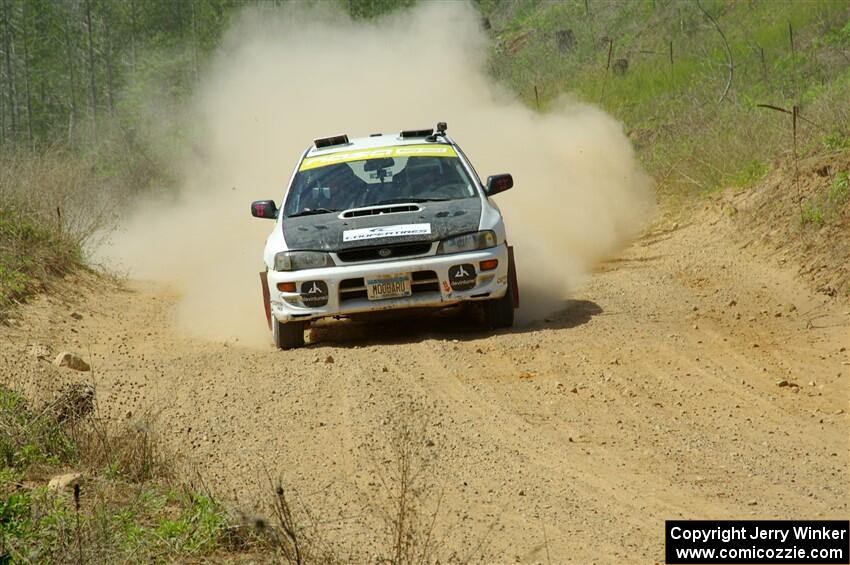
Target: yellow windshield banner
x=431 y=150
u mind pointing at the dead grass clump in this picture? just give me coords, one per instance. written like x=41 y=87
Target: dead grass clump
x=131 y=449
x=292 y=534
x=409 y=522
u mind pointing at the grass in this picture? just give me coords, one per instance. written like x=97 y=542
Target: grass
x=32 y=253
x=838 y=191
x=37 y=245
x=827 y=206
x=812 y=214
x=131 y=506
x=126 y=508
x=55 y=203
x=836 y=140
x=689 y=140
x=748 y=175
x=149 y=524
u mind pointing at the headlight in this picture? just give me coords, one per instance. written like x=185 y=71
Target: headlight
x=297 y=260
x=468 y=242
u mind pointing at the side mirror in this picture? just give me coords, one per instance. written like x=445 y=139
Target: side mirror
x=264 y=209
x=499 y=183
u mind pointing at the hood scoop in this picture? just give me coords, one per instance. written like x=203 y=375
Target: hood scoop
x=379 y=210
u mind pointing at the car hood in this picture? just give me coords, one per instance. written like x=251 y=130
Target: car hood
x=427 y=221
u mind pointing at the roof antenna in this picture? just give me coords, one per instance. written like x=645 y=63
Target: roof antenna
x=441 y=132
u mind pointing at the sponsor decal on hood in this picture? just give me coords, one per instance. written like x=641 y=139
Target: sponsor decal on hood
x=386 y=231
x=430 y=221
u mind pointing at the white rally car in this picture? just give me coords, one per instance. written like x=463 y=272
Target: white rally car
x=385 y=222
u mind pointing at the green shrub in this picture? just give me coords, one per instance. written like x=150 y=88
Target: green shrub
x=812 y=214
x=15 y=516
x=827 y=205
x=28 y=438
x=127 y=513
x=198 y=527
x=752 y=172
x=32 y=253
x=691 y=140
x=836 y=141
x=839 y=190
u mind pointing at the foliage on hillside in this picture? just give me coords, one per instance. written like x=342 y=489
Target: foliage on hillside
x=78 y=81
x=76 y=72
x=668 y=74
x=90 y=91
x=52 y=203
x=72 y=69
x=85 y=85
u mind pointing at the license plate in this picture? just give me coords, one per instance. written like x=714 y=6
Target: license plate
x=380 y=287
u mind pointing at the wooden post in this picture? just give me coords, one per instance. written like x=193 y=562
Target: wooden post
x=793 y=64
x=536 y=98
x=607 y=67
x=794 y=113
x=763 y=64
x=672 y=76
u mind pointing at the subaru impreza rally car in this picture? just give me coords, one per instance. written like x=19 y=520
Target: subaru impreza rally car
x=385 y=222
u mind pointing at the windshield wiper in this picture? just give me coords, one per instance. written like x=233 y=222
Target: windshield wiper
x=311 y=212
x=414 y=200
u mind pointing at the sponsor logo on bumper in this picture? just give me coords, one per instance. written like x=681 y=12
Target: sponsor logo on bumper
x=314 y=293
x=462 y=277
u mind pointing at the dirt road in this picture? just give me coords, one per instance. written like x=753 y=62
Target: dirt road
x=653 y=395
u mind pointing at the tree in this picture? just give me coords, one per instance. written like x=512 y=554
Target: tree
x=11 y=94
x=92 y=80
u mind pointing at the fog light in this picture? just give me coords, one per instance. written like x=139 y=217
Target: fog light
x=286 y=286
x=489 y=264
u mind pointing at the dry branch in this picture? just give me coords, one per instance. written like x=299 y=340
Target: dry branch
x=728 y=51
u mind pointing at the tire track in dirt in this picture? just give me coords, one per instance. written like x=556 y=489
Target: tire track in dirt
x=651 y=396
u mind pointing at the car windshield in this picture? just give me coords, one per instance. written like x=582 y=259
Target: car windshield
x=329 y=187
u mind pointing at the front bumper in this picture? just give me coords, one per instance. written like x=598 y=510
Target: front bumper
x=431 y=285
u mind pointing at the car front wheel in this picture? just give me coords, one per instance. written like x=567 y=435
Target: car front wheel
x=289 y=335
x=499 y=313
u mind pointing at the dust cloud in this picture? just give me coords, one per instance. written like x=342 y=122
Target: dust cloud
x=284 y=77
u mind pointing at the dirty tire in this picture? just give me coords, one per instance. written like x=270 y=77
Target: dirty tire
x=288 y=336
x=499 y=313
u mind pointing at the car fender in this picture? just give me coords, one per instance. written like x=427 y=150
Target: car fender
x=513 y=276
x=264 y=283
x=491 y=219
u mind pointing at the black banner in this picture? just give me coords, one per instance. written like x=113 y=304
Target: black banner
x=314 y=293
x=462 y=277
x=820 y=542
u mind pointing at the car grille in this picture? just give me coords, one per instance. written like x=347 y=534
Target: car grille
x=421 y=281
x=374 y=253
x=377 y=211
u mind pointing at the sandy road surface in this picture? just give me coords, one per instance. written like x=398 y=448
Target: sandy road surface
x=652 y=395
